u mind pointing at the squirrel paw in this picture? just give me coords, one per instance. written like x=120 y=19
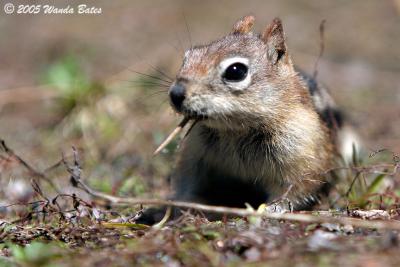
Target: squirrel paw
x=283 y=205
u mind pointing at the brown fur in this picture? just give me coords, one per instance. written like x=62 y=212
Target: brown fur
x=250 y=144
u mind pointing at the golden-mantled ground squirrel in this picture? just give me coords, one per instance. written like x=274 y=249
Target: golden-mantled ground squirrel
x=261 y=126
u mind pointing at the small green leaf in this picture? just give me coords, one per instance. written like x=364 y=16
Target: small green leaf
x=374 y=186
x=135 y=226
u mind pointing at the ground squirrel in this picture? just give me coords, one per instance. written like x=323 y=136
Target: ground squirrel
x=261 y=126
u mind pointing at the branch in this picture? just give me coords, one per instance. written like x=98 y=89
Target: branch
x=309 y=218
x=26 y=94
x=31 y=170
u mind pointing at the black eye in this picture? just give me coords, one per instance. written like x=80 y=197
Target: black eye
x=235 y=73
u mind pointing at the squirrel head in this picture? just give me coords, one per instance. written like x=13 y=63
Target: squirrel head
x=237 y=80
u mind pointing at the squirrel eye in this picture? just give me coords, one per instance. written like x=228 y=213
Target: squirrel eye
x=235 y=73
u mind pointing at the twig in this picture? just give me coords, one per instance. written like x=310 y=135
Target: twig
x=172 y=135
x=26 y=94
x=369 y=169
x=30 y=169
x=38 y=190
x=76 y=180
x=53 y=167
x=309 y=218
x=22 y=204
x=191 y=127
x=378 y=224
x=321 y=47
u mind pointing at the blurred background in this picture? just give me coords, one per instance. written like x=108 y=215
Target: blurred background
x=74 y=80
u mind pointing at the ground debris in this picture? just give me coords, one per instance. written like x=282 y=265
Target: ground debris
x=370 y=214
x=188 y=241
x=322 y=240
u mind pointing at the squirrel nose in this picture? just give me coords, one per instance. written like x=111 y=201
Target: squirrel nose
x=177 y=95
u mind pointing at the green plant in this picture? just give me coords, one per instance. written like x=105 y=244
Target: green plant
x=72 y=83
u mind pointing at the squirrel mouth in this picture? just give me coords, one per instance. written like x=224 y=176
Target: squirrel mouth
x=193 y=115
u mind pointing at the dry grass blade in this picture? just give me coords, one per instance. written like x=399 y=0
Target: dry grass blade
x=172 y=135
x=321 y=47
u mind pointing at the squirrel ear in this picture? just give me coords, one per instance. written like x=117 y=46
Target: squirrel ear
x=243 y=25
x=274 y=37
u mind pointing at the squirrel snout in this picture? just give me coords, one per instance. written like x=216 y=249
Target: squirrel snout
x=177 y=94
